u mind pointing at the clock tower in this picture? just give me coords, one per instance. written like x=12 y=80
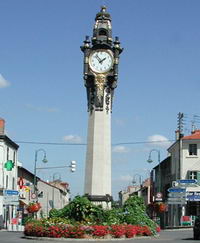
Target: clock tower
x=101 y=59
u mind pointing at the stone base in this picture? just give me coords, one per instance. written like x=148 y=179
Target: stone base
x=104 y=200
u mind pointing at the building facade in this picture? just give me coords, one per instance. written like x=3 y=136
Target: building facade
x=180 y=180
x=8 y=177
x=50 y=194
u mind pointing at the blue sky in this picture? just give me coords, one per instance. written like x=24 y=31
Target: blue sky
x=43 y=98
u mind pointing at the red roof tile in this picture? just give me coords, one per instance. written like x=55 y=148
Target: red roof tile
x=194 y=135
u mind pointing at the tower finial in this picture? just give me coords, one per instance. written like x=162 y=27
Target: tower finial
x=103 y=8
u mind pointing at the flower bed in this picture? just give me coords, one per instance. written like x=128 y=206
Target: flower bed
x=95 y=231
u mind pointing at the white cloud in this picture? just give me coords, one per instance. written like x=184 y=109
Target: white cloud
x=120 y=149
x=125 y=178
x=41 y=109
x=72 y=139
x=119 y=122
x=3 y=82
x=159 y=141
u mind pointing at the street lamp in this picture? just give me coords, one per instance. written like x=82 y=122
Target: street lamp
x=134 y=181
x=159 y=171
x=3 y=160
x=54 y=176
x=44 y=161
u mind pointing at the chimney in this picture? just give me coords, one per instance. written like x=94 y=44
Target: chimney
x=2 y=126
x=177 y=135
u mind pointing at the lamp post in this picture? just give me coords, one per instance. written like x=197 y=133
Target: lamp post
x=54 y=176
x=159 y=171
x=3 y=160
x=134 y=179
x=44 y=161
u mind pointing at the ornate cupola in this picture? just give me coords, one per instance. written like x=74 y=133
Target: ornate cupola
x=98 y=72
x=102 y=32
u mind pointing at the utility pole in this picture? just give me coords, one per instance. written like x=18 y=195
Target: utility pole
x=180 y=135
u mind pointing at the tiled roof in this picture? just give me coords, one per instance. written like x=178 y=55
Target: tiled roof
x=195 y=135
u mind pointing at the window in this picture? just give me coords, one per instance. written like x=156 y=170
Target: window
x=192 y=149
x=13 y=183
x=7 y=153
x=102 y=32
x=6 y=181
x=14 y=156
x=193 y=175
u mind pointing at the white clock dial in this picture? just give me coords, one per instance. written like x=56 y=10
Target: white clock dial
x=101 y=61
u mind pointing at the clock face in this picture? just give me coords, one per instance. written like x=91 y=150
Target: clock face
x=101 y=61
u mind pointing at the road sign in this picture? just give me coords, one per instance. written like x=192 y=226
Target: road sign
x=33 y=195
x=193 y=196
x=177 y=195
x=176 y=202
x=11 y=200
x=187 y=181
x=176 y=199
x=158 y=197
x=176 y=189
x=11 y=192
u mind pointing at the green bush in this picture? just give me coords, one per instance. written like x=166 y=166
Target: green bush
x=135 y=213
x=79 y=210
x=82 y=211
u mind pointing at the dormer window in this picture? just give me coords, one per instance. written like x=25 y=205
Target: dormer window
x=192 y=149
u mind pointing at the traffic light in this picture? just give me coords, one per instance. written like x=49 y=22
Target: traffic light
x=73 y=166
x=9 y=165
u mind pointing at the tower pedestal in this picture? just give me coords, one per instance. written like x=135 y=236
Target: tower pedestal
x=98 y=156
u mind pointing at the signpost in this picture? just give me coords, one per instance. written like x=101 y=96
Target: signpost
x=176 y=189
x=176 y=195
x=158 y=197
x=176 y=202
x=193 y=196
x=11 y=197
x=187 y=181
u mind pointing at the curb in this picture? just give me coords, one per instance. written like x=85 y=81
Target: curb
x=97 y=239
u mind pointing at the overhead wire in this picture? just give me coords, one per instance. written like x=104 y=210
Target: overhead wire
x=84 y=144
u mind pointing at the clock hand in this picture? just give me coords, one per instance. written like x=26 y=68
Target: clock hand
x=102 y=60
x=97 y=57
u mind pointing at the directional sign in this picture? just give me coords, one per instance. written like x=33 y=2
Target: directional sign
x=176 y=202
x=176 y=189
x=11 y=199
x=11 y=192
x=193 y=196
x=188 y=181
x=177 y=195
x=176 y=199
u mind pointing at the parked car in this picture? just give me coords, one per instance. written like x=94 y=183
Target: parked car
x=196 y=228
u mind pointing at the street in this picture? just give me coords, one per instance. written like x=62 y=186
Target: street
x=176 y=236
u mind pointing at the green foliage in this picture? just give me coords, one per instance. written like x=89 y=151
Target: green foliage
x=55 y=213
x=135 y=213
x=28 y=219
x=113 y=216
x=134 y=203
x=82 y=211
x=79 y=210
x=54 y=221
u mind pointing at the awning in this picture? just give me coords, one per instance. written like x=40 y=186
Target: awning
x=23 y=202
